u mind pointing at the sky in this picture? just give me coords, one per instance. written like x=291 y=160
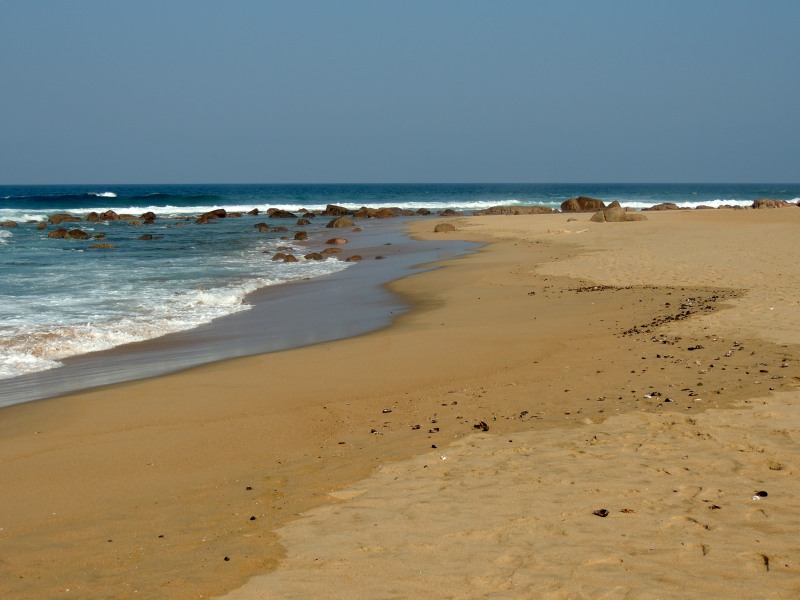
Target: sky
x=305 y=91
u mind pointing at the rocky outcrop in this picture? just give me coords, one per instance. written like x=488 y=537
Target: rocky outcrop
x=515 y=210
x=614 y=213
x=444 y=228
x=74 y=234
x=582 y=204
x=664 y=206
x=275 y=213
x=212 y=215
x=332 y=210
x=339 y=222
x=59 y=218
x=769 y=203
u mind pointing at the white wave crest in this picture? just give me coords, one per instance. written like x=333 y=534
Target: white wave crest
x=4 y=235
x=103 y=194
x=27 y=348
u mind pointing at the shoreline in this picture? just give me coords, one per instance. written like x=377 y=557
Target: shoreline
x=518 y=342
x=357 y=296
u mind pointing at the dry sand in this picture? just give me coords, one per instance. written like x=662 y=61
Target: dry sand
x=626 y=367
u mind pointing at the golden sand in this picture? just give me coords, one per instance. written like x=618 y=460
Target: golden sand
x=649 y=369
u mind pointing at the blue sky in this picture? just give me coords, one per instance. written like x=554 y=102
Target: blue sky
x=145 y=91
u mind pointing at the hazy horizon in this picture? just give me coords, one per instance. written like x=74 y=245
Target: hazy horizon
x=192 y=92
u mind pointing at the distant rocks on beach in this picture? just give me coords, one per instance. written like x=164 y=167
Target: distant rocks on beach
x=769 y=203
x=582 y=204
x=614 y=213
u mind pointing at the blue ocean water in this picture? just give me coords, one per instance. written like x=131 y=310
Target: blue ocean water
x=60 y=298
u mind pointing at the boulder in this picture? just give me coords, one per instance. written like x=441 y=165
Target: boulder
x=314 y=256
x=9 y=224
x=423 y=212
x=275 y=213
x=41 y=225
x=444 y=228
x=332 y=210
x=329 y=251
x=769 y=203
x=303 y=222
x=278 y=256
x=385 y=213
x=582 y=204
x=301 y=236
x=252 y=212
x=262 y=227
x=148 y=216
x=448 y=212
x=59 y=233
x=290 y=258
x=146 y=236
x=339 y=222
x=354 y=258
x=663 y=206
x=616 y=214
x=77 y=234
x=336 y=241
x=59 y=218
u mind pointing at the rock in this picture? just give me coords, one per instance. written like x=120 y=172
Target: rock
x=253 y=212
x=9 y=224
x=448 y=212
x=41 y=225
x=338 y=222
x=336 y=241
x=278 y=256
x=354 y=258
x=663 y=206
x=281 y=228
x=212 y=215
x=616 y=214
x=102 y=245
x=385 y=213
x=93 y=217
x=769 y=203
x=148 y=216
x=444 y=228
x=59 y=233
x=290 y=258
x=59 y=218
x=309 y=215
x=329 y=251
x=275 y=213
x=146 y=236
x=303 y=222
x=423 y=212
x=704 y=207
x=582 y=204
x=77 y=234
x=515 y=210
x=332 y=210
x=99 y=236
x=314 y=256
x=301 y=236
x=262 y=227
x=109 y=215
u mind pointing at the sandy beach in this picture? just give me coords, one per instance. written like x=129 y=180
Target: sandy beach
x=576 y=410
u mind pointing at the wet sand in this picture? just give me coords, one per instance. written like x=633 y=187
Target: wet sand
x=628 y=367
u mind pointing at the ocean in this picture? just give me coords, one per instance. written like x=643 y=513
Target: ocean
x=62 y=299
